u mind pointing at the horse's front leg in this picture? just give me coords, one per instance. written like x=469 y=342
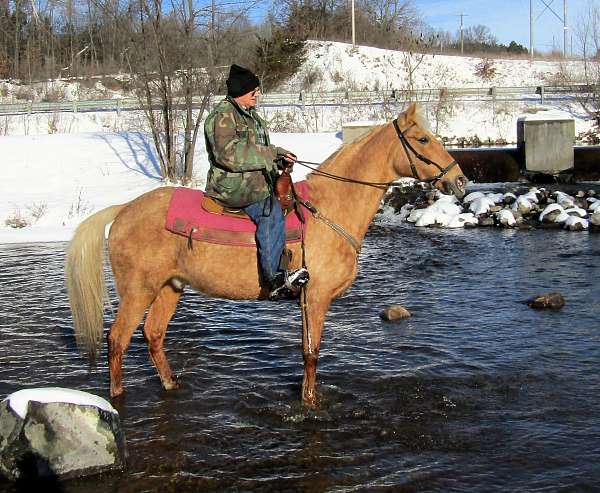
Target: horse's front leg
x=314 y=309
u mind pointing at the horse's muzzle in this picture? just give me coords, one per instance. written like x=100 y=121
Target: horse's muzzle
x=456 y=186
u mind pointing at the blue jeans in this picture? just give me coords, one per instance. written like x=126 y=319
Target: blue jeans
x=270 y=234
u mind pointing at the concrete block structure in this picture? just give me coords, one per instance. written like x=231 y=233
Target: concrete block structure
x=546 y=141
x=353 y=130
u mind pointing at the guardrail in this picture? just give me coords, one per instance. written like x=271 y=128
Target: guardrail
x=544 y=93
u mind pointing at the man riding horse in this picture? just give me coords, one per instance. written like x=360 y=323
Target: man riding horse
x=243 y=169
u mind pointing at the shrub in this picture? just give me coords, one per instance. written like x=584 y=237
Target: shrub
x=37 y=210
x=485 y=69
x=24 y=93
x=53 y=95
x=16 y=220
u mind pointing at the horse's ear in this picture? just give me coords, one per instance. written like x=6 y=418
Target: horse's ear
x=410 y=113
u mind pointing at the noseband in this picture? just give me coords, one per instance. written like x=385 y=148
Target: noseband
x=408 y=147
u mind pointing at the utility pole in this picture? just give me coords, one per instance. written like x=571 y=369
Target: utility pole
x=353 y=26
x=565 y=29
x=563 y=19
x=461 y=33
x=531 y=30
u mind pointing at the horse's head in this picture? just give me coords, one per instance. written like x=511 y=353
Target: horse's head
x=423 y=156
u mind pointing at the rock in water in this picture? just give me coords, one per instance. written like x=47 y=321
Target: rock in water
x=394 y=312
x=553 y=301
x=53 y=432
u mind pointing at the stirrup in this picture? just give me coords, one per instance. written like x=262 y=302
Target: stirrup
x=286 y=285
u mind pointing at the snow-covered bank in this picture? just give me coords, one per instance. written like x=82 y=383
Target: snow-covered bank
x=51 y=182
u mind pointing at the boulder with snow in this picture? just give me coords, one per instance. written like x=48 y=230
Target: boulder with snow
x=55 y=432
x=550 y=213
x=576 y=223
x=506 y=218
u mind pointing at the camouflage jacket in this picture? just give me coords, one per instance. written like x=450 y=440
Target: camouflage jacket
x=242 y=159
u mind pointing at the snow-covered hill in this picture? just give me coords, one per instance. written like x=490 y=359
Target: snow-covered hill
x=330 y=66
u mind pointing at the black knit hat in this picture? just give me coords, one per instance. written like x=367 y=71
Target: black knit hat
x=241 y=81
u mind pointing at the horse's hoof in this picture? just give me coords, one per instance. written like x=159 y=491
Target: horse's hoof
x=116 y=392
x=312 y=402
x=172 y=385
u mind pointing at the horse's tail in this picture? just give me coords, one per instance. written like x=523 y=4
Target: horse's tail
x=84 y=271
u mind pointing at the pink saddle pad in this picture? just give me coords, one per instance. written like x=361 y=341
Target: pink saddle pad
x=188 y=218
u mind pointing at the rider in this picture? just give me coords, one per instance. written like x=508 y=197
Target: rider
x=243 y=168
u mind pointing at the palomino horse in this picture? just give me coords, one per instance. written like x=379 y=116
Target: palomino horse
x=150 y=264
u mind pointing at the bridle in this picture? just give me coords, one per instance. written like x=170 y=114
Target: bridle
x=408 y=149
x=407 y=146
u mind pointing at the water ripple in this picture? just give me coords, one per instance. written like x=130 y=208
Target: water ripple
x=475 y=392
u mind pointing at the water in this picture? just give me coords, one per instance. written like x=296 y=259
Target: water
x=476 y=392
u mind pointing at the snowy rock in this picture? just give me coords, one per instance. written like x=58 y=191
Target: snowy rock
x=550 y=213
x=595 y=219
x=509 y=198
x=429 y=218
x=523 y=205
x=465 y=219
x=532 y=196
x=594 y=206
x=505 y=218
x=498 y=198
x=415 y=214
x=562 y=217
x=58 y=432
x=472 y=196
x=565 y=200
x=576 y=211
x=576 y=223
x=481 y=205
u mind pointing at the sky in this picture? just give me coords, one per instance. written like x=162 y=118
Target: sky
x=507 y=19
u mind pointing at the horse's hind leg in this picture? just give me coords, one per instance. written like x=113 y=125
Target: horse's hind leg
x=155 y=329
x=130 y=314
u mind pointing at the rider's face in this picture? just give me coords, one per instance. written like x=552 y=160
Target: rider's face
x=248 y=100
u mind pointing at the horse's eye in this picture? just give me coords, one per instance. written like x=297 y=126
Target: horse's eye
x=423 y=140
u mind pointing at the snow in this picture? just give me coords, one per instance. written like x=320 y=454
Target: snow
x=52 y=182
x=551 y=208
x=19 y=400
x=552 y=115
x=337 y=66
x=574 y=221
x=58 y=168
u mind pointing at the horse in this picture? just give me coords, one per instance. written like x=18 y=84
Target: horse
x=151 y=265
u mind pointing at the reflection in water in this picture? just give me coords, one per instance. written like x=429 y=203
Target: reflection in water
x=476 y=392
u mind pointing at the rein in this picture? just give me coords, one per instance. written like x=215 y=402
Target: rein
x=381 y=185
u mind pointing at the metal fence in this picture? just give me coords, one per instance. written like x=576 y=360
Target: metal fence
x=536 y=93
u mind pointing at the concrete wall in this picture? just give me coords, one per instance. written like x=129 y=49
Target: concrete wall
x=547 y=143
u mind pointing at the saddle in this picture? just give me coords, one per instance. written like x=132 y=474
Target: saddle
x=198 y=217
x=283 y=192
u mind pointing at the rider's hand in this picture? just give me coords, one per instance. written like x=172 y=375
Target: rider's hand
x=286 y=161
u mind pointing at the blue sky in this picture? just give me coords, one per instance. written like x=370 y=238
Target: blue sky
x=507 y=19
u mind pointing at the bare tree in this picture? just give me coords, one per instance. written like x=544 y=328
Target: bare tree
x=587 y=32
x=178 y=62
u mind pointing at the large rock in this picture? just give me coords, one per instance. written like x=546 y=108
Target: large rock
x=394 y=312
x=54 y=432
x=552 y=301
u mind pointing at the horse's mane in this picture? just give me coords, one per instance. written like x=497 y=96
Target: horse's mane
x=419 y=118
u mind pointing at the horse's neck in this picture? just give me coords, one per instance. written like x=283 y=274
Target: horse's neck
x=353 y=205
